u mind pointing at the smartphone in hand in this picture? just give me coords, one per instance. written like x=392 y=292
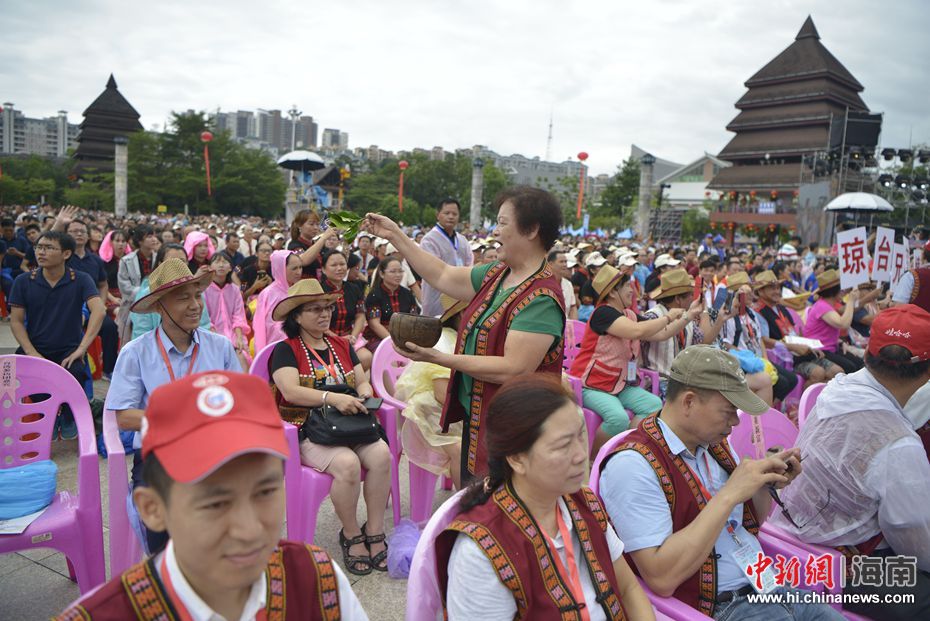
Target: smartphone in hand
x=373 y=403
x=698 y=288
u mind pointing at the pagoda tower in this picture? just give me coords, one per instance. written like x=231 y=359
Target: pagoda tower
x=109 y=116
x=786 y=114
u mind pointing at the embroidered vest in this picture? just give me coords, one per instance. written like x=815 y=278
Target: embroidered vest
x=506 y=532
x=492 y=334
x=310 y=378
x=301 y=584
x=604 y=359
x=924 y=434
x=685 y=501
x=920 y=294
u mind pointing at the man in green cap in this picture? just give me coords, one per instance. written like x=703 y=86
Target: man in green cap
x=687 y=509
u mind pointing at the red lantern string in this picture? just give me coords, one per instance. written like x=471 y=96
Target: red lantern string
x=581 y=156
x=206 y=137
x=400 y=185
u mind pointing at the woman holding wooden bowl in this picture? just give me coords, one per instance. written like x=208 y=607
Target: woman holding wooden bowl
x=516 y=318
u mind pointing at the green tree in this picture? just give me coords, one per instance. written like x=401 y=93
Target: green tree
x=620 y=196
x=694 y=224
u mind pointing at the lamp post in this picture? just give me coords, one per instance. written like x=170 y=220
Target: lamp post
x=205 y=138
x=120 y=176
x=645 y=194
x=477 y=190
x=400 y=185
x=581 y=157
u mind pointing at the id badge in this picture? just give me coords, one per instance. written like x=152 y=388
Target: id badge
x=631 y=372
x=458 y=261
x=746 y=556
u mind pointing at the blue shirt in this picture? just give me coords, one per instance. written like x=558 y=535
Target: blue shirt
x=9 y=261
x=140 y=368
x=637 y=506
x=54 y=321
x=90 y=264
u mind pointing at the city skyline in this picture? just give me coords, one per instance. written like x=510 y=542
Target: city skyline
x=663 y=76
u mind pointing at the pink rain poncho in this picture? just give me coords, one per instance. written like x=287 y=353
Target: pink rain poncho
x=227 y=312
x=195 y=238
x=268 y=331
x=106 y=248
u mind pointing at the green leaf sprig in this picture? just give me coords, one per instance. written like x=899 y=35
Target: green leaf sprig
x=348 y=221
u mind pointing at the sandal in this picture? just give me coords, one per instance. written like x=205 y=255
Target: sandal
x=378 y=562
x=358 y=565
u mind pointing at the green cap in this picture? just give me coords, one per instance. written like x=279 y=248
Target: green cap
x=703 y=366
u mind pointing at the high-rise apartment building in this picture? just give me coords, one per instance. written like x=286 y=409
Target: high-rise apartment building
x=49 y=137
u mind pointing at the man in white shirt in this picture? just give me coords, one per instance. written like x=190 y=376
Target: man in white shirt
x=866 y=480
x=558 y=261
x=214 y=449
x=444 y=242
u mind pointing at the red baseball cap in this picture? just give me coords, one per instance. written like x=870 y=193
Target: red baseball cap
x=198 y=423
x=906 y=325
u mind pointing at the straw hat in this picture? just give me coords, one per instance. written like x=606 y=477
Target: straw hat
x=827 y=280
x=764 y=279
x=170 y=275
x=306 y=290
x=796 y=302
x=605 y=281
x=451 y=307
x=672 y=283
x=737 y=280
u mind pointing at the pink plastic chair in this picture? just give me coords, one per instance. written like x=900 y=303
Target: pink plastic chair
x=777 y=430
x=306 y=488
x=125 y=547
x=72 y=524
x=386 y=367
x=808 y=399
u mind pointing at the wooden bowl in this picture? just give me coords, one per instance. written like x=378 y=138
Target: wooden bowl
x=417 y=329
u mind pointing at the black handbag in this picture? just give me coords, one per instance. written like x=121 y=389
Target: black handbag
x=328 y=426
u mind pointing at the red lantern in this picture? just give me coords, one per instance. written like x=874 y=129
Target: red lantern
x=730 y=225
x=774 y=194
x=732 y=194
x=713 y=226
x=794 y=193
x=707 y=194
x=752 y=193
x=206 y=136
x=582 y=156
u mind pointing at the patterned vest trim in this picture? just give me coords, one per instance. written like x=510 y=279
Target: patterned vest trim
x=920 y=294
x=140 y=592
x=491 y=336
x=676 y=478
x=297 y=414
x=518 y=571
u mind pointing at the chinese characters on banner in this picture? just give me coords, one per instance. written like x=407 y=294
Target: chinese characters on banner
x=854 y=257
x=900 y=263
x=884 y=255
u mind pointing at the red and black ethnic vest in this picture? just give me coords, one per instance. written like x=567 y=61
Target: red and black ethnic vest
x=314 y=378
x=300 y=577
x=491 y=336
x=506 y=532
x=920 y=294
x=685 y=501
x=924 y=434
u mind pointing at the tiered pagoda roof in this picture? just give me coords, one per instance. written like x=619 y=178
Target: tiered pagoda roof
x=786 y=113
x=109 y=115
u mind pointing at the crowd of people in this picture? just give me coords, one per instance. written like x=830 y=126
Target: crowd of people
x=184 y=305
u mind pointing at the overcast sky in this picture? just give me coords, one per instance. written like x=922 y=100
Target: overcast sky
x=402 y=74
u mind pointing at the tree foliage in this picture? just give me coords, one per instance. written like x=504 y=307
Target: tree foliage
x=620 y=196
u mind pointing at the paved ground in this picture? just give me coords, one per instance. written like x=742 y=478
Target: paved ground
x=35 y=584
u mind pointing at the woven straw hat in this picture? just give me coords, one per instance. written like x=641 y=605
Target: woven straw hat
x=764 y=279
x=451 y=307
x=170 y=275
x=306 y=290
x=605 y=281
x=672 y=283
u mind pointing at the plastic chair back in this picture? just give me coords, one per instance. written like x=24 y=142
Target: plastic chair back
x=574 y=333
x=125 y=547
x=774 y=430
x=594 y=481
x=32 y=390
x=259 y=366
x=423 y=582
x=808 y=399
x=386 y=367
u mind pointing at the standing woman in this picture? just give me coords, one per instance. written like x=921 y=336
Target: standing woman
x=387 y=297
x=133 y=268
x=530 y=541
x=200 y=249
x=348 y=320
x=285 y=271
x=307 y=241
x=516 y=318
x=227 y=312
x=112 y=249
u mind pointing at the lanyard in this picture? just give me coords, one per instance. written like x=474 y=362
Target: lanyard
x=331 y=367
x=731 y=528
x=179 y=606
x=453 y=239
x=574 y=580
x=164 y=356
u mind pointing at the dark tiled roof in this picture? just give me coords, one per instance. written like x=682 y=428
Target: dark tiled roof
x=804 y=58
x=776 y=142
x=814 y=89
x=111 y=102
x=759 y=178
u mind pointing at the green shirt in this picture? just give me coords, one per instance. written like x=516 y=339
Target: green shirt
x=541 y=316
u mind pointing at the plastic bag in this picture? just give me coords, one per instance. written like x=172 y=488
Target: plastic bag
x=401 y=545
x=27 y=489
x=748 y=361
